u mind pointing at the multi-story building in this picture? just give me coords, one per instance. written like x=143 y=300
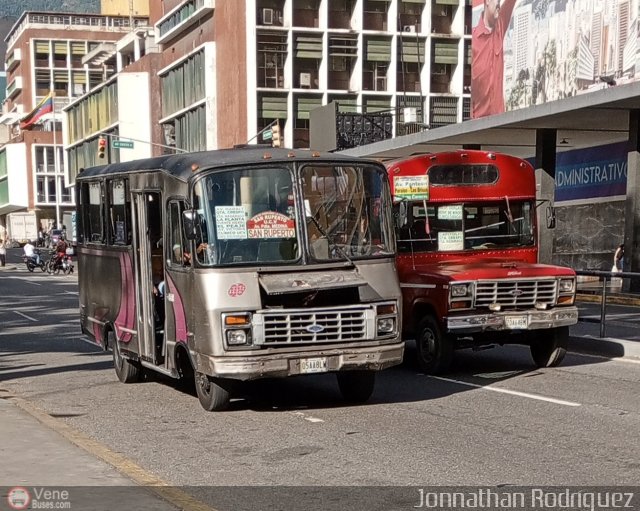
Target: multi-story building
x=45 y=53
x=228 y=69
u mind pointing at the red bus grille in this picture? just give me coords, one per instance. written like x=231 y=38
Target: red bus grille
x=516 y=293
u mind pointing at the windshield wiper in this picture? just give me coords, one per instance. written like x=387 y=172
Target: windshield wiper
x=332 y=246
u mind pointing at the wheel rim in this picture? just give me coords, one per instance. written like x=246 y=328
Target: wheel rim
x=203 y=384
x=118 y=361
x=428 y=345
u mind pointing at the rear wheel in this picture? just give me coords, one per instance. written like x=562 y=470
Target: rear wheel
x=435 y=350
x=356 y=386
x=127 y=371
x=43 y=266
x=30 y=267
x=550 y=346
x=214 y=394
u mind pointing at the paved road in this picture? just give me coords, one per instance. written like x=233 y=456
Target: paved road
x=494 y=420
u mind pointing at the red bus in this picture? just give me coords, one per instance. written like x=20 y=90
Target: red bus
x=468 y=259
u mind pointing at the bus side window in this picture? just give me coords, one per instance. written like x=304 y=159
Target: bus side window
x=176 y=246
x=93 y=219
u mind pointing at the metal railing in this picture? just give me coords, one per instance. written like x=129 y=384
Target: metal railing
x=605 y=277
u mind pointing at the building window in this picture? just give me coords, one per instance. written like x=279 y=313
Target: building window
x=183 y=85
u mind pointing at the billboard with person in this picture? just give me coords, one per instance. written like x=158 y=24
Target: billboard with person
x=529 y=52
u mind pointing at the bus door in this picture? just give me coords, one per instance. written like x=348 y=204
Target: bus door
x=147 y=239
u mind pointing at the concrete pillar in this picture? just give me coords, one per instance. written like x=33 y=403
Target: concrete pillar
x=632 y=212
x=545 y=166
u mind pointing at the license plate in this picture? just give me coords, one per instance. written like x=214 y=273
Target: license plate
x=516 y=322
x=313 y=365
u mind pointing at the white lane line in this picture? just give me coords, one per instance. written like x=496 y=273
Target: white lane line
x=25 y=316
x=511 y=392
x=71 y=292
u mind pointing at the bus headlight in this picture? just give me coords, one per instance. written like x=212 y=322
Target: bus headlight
x=566 y=285
x=237 y=337
x=237 y=328
x=386 y=326
x=460 y=290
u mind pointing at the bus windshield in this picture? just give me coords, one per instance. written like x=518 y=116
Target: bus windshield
x=470 y=226
x=253 y=215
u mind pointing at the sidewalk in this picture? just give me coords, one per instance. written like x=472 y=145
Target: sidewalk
x=35 y=455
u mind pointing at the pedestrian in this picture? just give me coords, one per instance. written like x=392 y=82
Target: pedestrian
x=618 y=258
x=3 y=252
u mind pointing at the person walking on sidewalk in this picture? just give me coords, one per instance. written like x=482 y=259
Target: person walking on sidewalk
x=3 y=252
x=618 y=258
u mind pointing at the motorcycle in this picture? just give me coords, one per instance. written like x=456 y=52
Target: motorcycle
x=57 y=264
x=34 y=262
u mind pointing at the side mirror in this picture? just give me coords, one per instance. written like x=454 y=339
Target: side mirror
x=190 y=224
x=551 y=217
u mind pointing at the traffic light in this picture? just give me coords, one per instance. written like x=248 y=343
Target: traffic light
x=102 y=147
x=276 y=136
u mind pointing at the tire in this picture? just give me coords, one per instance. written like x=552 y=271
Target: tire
x=356 y=386
x=49 y=267
x=30 y=268
x=127 y=371
x=43 y=267
x=434 y=349
x=550 y=346
x=68 y=269
x=213 y=393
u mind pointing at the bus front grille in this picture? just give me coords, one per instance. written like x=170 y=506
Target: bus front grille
x=516 y=293
x=314 y=327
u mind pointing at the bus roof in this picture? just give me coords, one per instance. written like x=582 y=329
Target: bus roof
x=181 y=165
x=515 y=176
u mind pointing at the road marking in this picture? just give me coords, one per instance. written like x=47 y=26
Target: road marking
x=136 y=473
x=506 y=391
x=307 y=417
x=71 y=292
x=25 y=316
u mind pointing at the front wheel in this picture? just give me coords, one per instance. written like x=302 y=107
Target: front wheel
x=43 y=266
x=127 y=371
x=30 y=267
x=435 y=349
x=214 y=394
x=550 y=346
x=356 y=386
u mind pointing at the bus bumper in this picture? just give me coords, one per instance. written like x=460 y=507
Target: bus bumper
x=252 y=367
x=509 y=321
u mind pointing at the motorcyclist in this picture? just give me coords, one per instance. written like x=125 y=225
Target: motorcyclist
x=30 y=252
x=61 y=250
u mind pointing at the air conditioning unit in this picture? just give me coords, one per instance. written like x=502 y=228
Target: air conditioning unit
x=305 y=80
x=409 y=28
x=267 y=16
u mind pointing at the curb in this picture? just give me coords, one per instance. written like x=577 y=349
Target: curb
x=605 y=347
x=611 y=298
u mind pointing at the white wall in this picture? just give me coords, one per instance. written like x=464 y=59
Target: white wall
x=134 y=114
x=17 y=175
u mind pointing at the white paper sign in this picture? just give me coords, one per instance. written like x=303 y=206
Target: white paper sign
x=448 y=241
x=231 y=223
x=450 y=212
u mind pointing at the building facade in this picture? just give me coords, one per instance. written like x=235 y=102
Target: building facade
x=45 y=53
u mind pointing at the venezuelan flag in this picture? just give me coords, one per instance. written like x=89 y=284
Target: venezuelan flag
x=44 y=107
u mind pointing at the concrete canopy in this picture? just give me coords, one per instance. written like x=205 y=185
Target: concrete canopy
x=586 y=120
